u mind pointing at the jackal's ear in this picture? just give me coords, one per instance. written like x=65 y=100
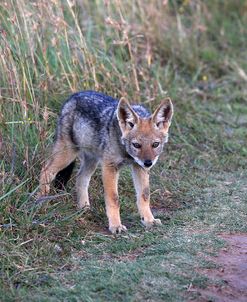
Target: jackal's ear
x=162 y=116
x=127 y=118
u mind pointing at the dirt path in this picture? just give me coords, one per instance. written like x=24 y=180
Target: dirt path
x=232 y=261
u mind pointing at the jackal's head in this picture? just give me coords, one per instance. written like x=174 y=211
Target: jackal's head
x=144 y=138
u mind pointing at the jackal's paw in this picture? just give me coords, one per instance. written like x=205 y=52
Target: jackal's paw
x=41 y=194
x=149 y=224
x=44 y=190
x=83 y=206
x=117 y=229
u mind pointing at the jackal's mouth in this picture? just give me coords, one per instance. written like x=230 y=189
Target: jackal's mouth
x=142 y=163
x=146 y=164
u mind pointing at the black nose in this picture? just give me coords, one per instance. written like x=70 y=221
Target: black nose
x=148 y=163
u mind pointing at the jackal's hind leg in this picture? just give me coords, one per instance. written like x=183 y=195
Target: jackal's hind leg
x=62 y=155
x=87 y=168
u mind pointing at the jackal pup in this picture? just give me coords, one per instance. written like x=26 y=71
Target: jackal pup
x=97 y=128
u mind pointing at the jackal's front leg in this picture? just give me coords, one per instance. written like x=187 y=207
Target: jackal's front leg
x=110 y=181
x=141 y=182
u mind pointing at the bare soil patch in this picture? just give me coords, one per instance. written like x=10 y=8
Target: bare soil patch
x=231 y=274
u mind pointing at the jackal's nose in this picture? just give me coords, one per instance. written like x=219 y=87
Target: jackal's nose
x=148 y=163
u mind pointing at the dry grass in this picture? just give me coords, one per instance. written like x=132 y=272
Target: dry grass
x=193 y=51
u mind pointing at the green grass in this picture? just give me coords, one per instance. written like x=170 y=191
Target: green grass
x=193 y=52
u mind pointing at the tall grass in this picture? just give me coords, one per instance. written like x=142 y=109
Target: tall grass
x=193 y=51
x=132 y=48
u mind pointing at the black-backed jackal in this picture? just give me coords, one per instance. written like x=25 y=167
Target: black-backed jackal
x=97 y=128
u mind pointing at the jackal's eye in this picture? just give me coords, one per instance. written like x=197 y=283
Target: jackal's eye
x=131 y=124
x=155 y=144
x=136 y=145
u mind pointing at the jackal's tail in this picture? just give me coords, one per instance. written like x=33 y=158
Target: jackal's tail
x=63 y=176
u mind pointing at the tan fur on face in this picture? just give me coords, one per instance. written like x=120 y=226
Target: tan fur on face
x=145 y=134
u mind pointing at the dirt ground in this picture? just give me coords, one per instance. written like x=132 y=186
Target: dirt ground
x=232 y=269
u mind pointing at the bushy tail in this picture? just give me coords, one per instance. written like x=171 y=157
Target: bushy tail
x=63 y=176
